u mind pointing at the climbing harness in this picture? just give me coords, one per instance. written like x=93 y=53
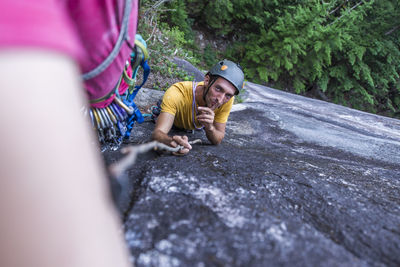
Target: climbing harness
x=114 y=122
x=123 y=34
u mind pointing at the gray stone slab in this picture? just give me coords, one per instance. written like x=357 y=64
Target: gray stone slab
x=189 y=68
x=296 y=182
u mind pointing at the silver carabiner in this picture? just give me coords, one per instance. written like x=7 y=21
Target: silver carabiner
x=104 y=117
x=92 y=118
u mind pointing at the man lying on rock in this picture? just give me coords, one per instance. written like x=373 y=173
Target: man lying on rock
x=207 y=104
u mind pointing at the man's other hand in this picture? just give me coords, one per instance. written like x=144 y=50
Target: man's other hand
x=178 y=140
x=206 y=117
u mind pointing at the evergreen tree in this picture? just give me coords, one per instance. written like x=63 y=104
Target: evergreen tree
x=345 y=50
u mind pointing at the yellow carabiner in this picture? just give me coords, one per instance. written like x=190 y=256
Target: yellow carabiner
x=144 y=49
x=96 y=116
x=128 y=80
x=112 y=116
x=122 y=105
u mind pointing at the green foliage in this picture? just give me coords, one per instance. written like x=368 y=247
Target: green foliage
x=348 y=50
x=174 y=36
x=178 y=17
x=209 y=56
x=163 y=42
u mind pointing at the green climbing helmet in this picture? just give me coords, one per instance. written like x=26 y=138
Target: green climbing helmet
x=231 y=72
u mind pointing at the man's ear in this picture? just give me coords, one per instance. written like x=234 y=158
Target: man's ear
x=206 y=80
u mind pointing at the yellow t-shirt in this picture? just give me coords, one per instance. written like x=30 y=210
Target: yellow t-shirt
x=178 y=100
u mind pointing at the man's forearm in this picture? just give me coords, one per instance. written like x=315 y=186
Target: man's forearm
x=214 y=135
x=162 y=137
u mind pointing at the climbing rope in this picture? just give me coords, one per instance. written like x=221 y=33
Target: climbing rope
x=119 y=168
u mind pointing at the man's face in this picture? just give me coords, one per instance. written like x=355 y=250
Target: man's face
x=220 y=92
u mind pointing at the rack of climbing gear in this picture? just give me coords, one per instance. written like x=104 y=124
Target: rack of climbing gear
x=114 y=122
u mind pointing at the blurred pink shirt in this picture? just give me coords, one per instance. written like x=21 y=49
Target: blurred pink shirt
x=86 y=30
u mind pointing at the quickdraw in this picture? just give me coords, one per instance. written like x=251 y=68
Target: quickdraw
x=115 y=122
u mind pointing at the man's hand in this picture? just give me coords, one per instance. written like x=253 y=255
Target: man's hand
x=206 y=117
x=160 y=134
x=181 y=141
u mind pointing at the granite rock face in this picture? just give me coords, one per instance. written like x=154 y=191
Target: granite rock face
x=296 y=182
x=198 y=76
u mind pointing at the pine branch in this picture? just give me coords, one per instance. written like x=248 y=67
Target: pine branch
x=154 y=29
x=336 y=9
x=348 y=11
x=155 y=6
x=392 y=30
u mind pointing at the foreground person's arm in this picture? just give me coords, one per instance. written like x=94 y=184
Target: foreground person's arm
x=160 y=134
x=54 y=202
